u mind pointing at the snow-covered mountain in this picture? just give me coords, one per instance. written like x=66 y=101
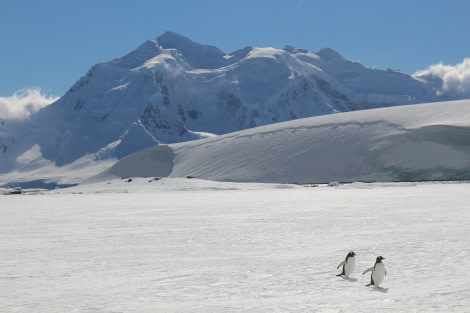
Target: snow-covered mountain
x=171 y=89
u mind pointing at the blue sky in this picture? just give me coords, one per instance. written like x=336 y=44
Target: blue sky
x=50 y=44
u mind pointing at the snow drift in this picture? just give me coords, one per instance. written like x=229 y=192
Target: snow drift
x=418 y=142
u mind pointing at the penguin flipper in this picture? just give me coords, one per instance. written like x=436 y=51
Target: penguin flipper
x=368 y=270
x=342 y=263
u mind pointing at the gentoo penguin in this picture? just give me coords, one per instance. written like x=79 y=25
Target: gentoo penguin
x=348 y=264
x=378 y=272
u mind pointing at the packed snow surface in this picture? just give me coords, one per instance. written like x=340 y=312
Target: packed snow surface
x=189 y=245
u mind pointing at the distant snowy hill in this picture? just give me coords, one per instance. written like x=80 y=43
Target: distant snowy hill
x=403 y=143
x=172 y=90
x=418 y=142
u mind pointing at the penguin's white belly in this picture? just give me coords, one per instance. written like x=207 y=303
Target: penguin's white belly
x=349 y=266
x=378 y=274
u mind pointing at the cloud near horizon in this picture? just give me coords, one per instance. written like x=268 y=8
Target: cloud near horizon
x=455 y=78
x=23 y=103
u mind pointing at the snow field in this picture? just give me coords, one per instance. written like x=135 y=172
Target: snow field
x=178 y=245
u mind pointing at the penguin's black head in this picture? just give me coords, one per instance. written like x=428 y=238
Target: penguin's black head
x=351 y=254
x=379 y=259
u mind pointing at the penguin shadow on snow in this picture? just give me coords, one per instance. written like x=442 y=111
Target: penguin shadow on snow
x=379 y=289
x=350 y=279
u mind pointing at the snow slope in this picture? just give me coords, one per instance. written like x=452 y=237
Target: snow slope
x=418 y=142
x=187 y=245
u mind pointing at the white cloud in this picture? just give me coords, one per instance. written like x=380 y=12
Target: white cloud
x=23 y=103
x=455 y=78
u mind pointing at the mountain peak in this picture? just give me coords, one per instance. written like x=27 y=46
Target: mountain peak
x=328 y=54
x=196 y=54
x=172 y=40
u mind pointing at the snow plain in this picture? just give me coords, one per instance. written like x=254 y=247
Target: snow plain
x=190 y=245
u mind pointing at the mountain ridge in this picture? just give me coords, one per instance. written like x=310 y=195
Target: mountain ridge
x=171 y=89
